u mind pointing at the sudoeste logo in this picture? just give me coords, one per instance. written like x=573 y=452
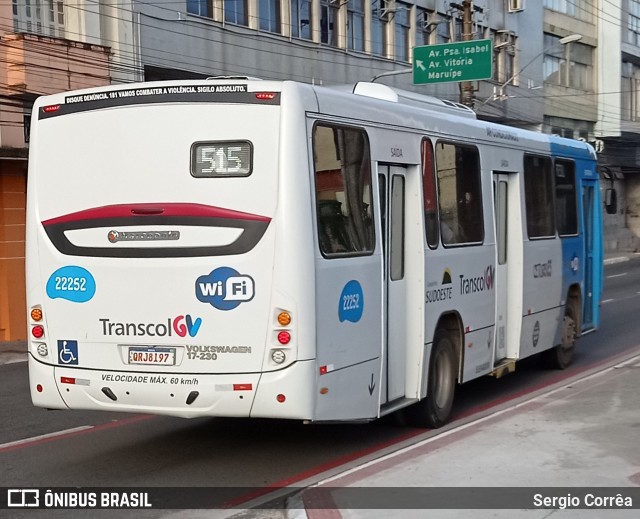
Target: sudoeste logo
x=224 y=288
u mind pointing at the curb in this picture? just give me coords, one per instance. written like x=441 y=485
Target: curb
x=13 y=346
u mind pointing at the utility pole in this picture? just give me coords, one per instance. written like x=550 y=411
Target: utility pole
x=467 y=8
x=466 y=87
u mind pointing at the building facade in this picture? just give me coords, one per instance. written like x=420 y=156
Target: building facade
x=36 y=58
x=558 y=66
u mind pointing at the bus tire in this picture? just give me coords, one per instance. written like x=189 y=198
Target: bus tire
x=560 y=356
x=433 y=411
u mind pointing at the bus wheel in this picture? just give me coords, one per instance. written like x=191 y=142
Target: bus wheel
x=433 y=411
x=561 y=356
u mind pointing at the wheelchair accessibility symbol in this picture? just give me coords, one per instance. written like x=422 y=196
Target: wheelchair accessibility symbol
x=68 y=352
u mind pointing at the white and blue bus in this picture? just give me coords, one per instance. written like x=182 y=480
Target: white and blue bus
x=247 y=248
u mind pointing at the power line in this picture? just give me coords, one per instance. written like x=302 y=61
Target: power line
x=127 y=63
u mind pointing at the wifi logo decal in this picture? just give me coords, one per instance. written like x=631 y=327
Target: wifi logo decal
x=224 y=288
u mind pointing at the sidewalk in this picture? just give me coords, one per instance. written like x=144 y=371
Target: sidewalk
x=577 y=441
x=581 y=437
x=11 y=352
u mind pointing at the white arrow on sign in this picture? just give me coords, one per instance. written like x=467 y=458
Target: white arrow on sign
x=420 y=65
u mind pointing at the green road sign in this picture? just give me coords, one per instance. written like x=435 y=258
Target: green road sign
x=460 y=61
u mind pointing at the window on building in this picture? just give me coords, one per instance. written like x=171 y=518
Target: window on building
x=443 y=31
x=379 y=17
x=45 y=17
x=235 y=11
x=269 y=14
x=423 y=26
x=457 y=28
x=301 y=19
x=579 y=73
x=633 y=23
x=566 y=205
x=459 y=194
x=538 y=197
x=343 y=190
x=569 y=128
x=630 y=92
x=200 y=7
x=431 y=27
x=581 y=66
x=26 y=126
x=561 y=131
x=329 y=22
x=402 y=23
x=355 y=24
x=504 y=52
x=38 y=15
x=580 y=10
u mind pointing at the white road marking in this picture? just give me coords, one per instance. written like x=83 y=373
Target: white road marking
x=44 y=436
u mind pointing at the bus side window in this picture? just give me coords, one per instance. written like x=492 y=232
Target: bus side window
x=429 y=194
x=332 y=227
x=459 y=194
x=566 y=204
x=343 y=190
x=538 y=197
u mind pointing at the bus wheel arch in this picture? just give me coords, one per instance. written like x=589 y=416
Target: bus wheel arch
x=561 y=356
x=444 y=365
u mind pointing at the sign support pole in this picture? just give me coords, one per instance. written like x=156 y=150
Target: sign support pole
x=466 y=87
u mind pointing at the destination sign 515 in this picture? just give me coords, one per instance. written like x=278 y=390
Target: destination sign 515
x=459 y=61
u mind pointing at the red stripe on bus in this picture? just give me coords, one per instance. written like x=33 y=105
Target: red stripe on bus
x=160 y=209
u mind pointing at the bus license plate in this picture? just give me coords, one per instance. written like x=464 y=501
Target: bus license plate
x=152 y=356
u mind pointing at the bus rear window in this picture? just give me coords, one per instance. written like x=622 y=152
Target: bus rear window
x=221 y=159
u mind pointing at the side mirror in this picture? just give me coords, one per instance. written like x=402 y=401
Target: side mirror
x=611 y=201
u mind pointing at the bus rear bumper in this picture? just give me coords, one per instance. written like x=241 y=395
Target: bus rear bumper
x=43 y=387
x=287 y=393
x=183 y=395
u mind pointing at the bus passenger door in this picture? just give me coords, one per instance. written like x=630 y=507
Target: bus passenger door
x=508 y=229
x=392 y=182
x=592 y=256
x=501 y=206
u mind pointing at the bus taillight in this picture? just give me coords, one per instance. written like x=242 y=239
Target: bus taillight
x=51 y=108
x=37 y=331
x=278 y=356
x=284 y=337
x=36 y=314
x=284 y=318
x=265 y=96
